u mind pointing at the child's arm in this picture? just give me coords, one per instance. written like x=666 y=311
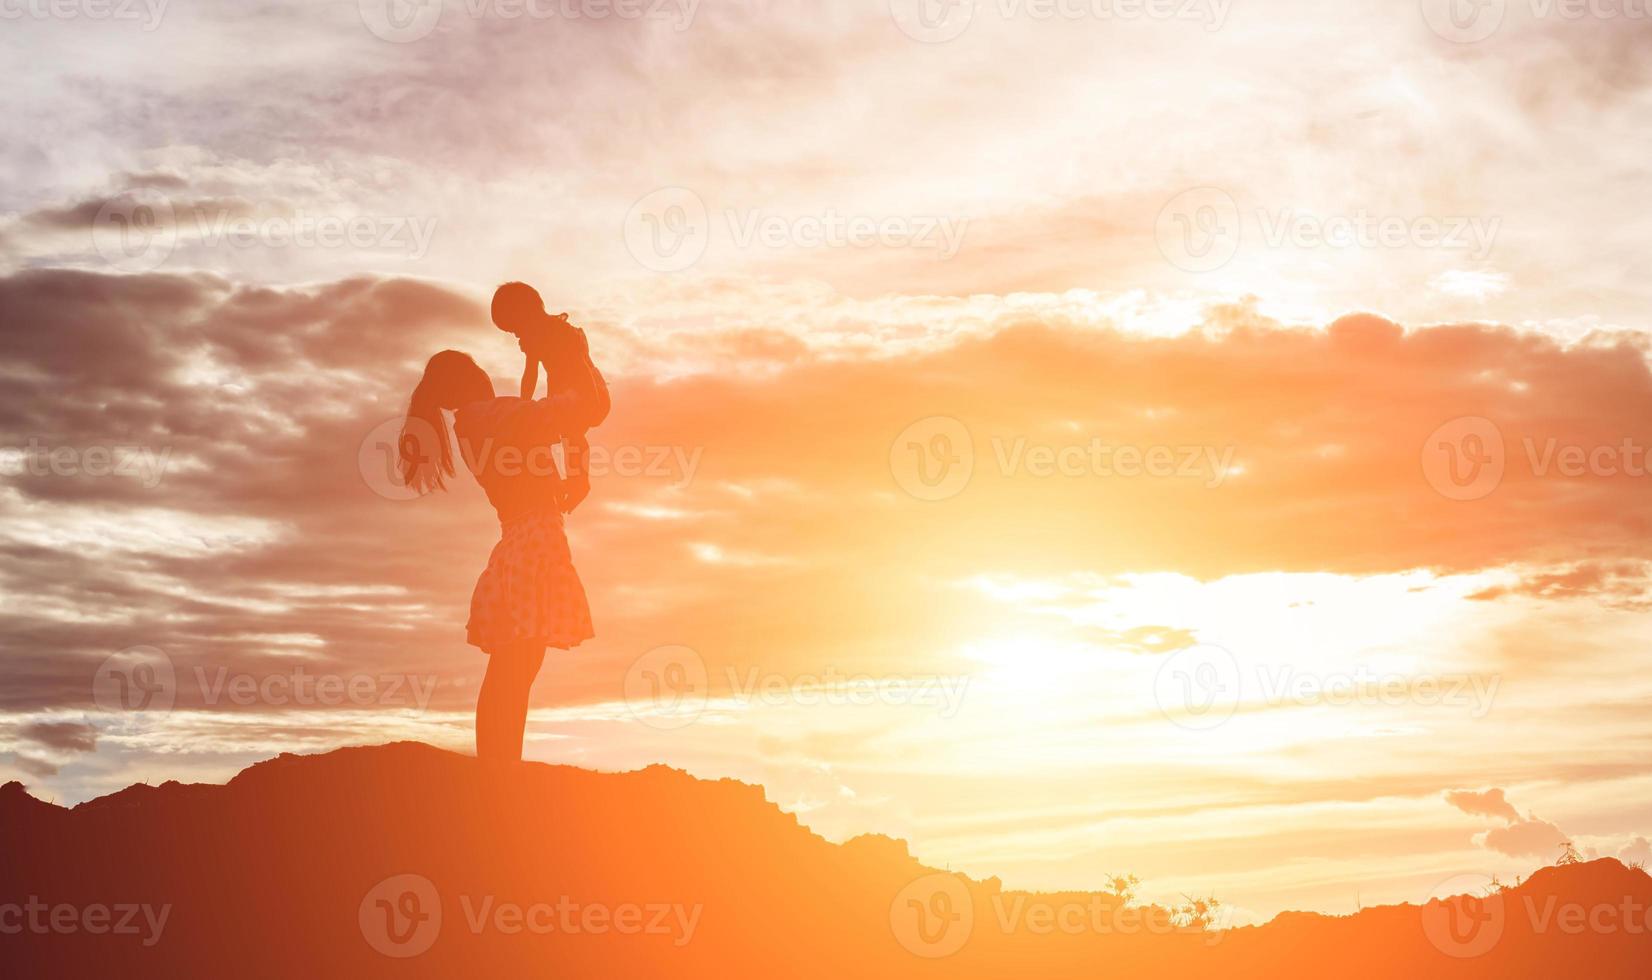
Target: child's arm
x=530 y=377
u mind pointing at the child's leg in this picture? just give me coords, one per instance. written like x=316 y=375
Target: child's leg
x=576 y=452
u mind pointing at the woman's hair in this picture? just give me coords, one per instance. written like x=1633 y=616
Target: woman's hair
x=451 y=380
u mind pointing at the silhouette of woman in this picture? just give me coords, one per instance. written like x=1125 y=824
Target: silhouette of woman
x=529 y=598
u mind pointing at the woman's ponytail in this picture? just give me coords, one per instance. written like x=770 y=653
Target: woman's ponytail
x=450 y=380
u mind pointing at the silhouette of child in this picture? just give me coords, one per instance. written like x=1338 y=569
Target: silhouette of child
x=562 y=349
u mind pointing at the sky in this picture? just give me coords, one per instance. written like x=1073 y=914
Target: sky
x=1203 y=439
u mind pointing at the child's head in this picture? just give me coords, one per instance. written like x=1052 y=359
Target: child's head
x=516 y=307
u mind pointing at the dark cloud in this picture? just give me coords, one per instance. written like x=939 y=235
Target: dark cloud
x=263 y=542
x=64 y=736
x=32 y=765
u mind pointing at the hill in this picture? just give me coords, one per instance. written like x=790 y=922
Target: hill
x=408 y=861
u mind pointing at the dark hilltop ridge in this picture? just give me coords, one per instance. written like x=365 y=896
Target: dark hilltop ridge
x=408 y=861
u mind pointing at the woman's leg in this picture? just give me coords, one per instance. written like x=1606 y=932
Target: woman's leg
x=502 y=704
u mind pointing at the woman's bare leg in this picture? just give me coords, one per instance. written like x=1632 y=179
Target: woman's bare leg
x=502 y=704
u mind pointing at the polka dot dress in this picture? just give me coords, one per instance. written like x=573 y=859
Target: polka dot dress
x=529 y=593
x=530 y=590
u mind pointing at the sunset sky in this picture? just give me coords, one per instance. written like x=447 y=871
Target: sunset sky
x=1204 y=440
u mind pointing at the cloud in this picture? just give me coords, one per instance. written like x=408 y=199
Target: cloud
x=64 y=736
x=32 y=765
x=254 y=405
x=1637 y=852
x=1622 y=585
x=1525 y=838
x=1486 y=803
